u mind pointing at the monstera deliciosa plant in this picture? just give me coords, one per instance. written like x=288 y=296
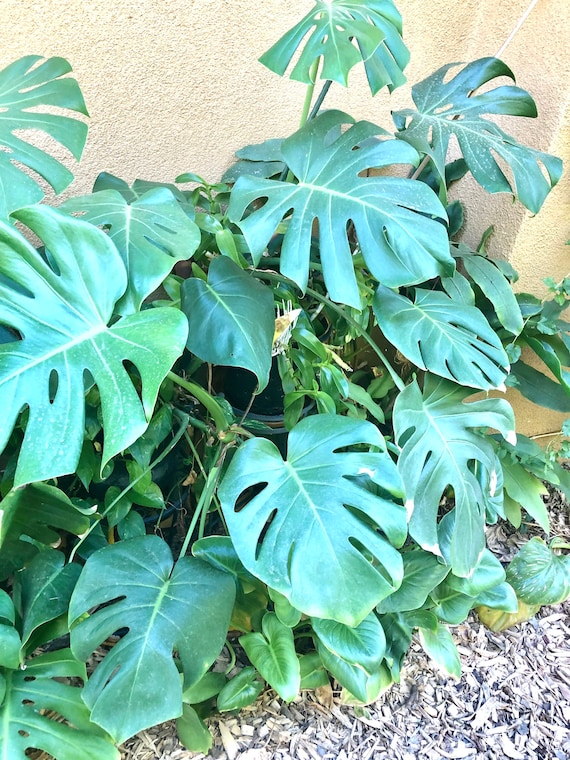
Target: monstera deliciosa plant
x=254 y=416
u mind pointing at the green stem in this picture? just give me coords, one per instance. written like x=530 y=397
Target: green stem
x=179 y=433
x=204 y=398
x=202 y=507
x=319 y=101
x=310 y=92
x=398 y=382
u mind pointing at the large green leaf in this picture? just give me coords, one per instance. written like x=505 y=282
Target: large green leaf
x=333 y=27
x=35 y=702
x=272 y=652
x=231 y=318
x=394 y=218
x=61 y=306
x=538 y=575
x=29 y=87
x=539 y=388
x=444 y=336
x=440 y=444
x=37 y=511
x=363 y=646
x=151 y=233
x=310 y=526
x=184 y=606
x=451 y=107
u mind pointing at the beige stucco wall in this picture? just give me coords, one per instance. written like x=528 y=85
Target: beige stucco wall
x=174 y=86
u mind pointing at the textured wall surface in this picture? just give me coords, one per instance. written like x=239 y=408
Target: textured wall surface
x=174 y=86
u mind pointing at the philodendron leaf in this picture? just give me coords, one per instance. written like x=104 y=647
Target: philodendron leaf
x=344 y=33
x=452 y=107
x=538 y=575
x=272 y=652
x=364 y=645
x=34 y=704
x=151 y=233
x=395 y=219
x=192 y=731
x=37 y=511
x=310 y=526
x=440 y=442
x=422 y=573
x=231 y=319
x=440 y=647
x=29 y=87
x=165 y=606
x=242 y=690
x=61 y=306
x=44 y=588
x=361 y=686
x=443 y=336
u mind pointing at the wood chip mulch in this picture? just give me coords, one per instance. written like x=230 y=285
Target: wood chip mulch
x=513 y=701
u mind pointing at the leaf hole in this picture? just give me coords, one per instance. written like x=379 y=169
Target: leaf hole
x=53 y=385
x=264 y=533
x=29 y=678
x=23 y=733
x=248 y=495
x=28 y=702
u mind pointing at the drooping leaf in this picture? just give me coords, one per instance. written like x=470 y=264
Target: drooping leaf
x=61 y=306
x=242 y=690
x=395 y=219
x=524 y=489
x=496 y=287
x=231 y=319
x=307 y=526
x=286 y=613
x=440 y=647
x=422 y=573
x=272 y=652
x=34 y=704
x=448 y=338
x=538 y=575
x=363 y=645
x=361 y=686
x=345 y=33
x=539 y=388
x=29 y=87
x=438 y=434
x=151 y=233
x=498 y=620
x=500 y=597
x=192 y=731
x=184 y=606
x=312 y=670
x=451 y=606
x=36 y=511
x=44 y=589
x=446 y=108
x=488 y=574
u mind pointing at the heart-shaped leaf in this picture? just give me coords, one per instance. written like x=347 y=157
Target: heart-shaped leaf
x=310 y=525
x=35 y=702
x=28 y=87
x=447 y=108
x=439 y=645
x=151 y=233
x=440 y=443
x=395 y=219
x=184 y=606
x=344 y=33
x=37 y=511
x=422 y=573
x=447 y=338
x=273 y=655
x=538 y=575
x=363 y=645
x=61 y=306
x=231 y=319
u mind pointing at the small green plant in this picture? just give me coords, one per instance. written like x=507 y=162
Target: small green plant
x=241 y=414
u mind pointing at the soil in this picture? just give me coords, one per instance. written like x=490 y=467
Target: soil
x=512 y=701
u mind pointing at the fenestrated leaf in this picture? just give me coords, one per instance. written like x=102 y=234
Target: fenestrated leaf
x=184 y=606
x=36 y=511
x=344 y=33
x=308 y=526
x=538 y=575
x=151 y=233
x=438 y=434
x=395 y=219
x=61 y=307
x=231 y=318
x=27 y=86
x=273 y=654
x=422 y=573
x=34 y=705
x=496 y=287
x=363 y=645
x=446 y=337
x=452 y=108
x=45 y=587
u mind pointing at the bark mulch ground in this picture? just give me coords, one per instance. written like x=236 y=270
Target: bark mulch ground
x=513 y=701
